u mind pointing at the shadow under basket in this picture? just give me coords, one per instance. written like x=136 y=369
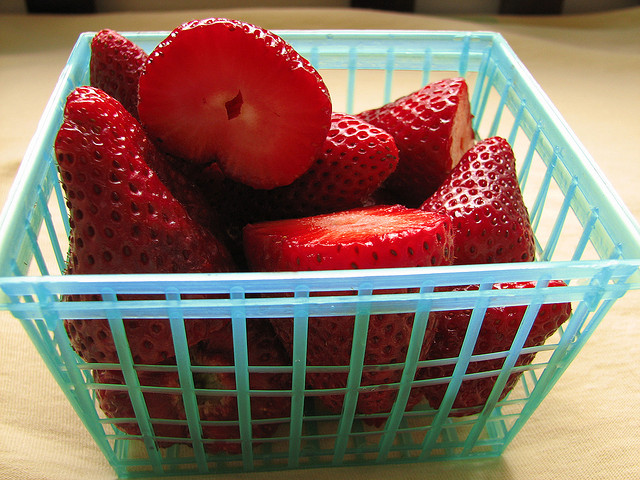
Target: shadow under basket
x=584 y=236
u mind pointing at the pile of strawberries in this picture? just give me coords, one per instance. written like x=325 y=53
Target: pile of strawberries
x=220 y=151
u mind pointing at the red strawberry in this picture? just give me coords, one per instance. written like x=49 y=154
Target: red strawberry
x=329 y=344
x=227 y=91
x=356 y=158
x=375 y=237
x=181 y=180
x=369 y=237
x=499 y=328
x=115 y=67
x=264 y=349
x=432 y=129
x=160 y=405
x=124 y=220
x=483 y=198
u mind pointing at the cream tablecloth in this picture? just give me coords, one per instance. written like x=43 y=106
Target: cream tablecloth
x=589 y=425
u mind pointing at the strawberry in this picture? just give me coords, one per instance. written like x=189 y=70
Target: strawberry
x=124 y=220
x=181 y=180
x=231 y=92
x=216 y=408
x=374 y=237
x=498 y=330
x=484 y=200
x=329 y=344
x=432 y=129
x=368 y=237
x=116 y=403
x=355 y=160
x=115 y=67
x=264 y=349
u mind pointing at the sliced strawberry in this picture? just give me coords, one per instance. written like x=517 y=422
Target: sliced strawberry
x=115 y=67
x=264 y=349
x=483 y=197
x=370 y=237
x=432 y=129
x=227 y=91
x=376 y=237
x=499 y=328
x=124 y=220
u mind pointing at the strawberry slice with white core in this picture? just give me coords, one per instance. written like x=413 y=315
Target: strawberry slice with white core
x=231 y=92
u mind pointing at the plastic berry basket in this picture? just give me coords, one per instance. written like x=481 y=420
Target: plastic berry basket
x=584 y=236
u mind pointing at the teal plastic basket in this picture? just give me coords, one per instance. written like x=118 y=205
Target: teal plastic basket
x=584 y=236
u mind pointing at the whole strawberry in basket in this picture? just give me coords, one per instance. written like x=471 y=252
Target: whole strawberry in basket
x=123 y=219
x=432 y=129
x=498 y=330
x=374 y=237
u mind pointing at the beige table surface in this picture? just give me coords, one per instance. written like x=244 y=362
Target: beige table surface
x=589 y=425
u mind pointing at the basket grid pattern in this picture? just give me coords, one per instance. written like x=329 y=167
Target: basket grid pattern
x=591 y=220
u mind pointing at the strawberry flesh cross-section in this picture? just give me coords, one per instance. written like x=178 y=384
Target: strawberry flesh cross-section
x=225 y=91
